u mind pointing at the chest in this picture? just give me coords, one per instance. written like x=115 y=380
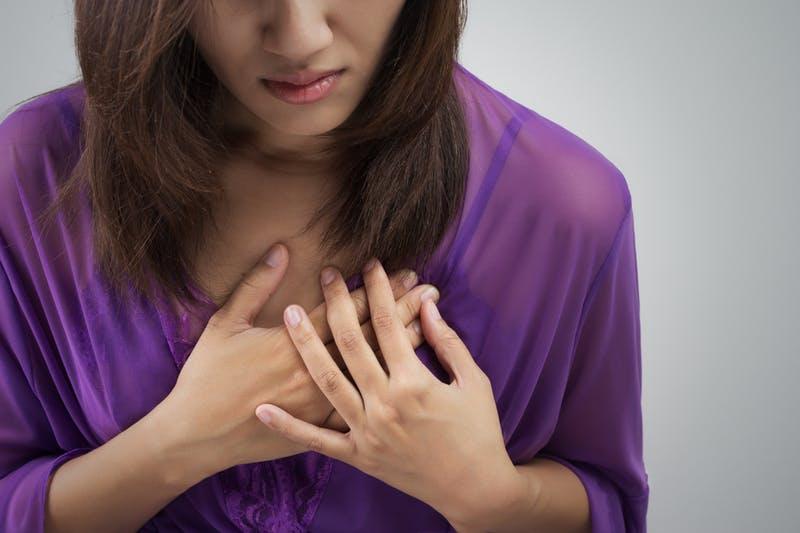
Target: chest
x=261 y=208
x=223 y=260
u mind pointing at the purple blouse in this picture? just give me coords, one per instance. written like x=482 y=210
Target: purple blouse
x=537 y=274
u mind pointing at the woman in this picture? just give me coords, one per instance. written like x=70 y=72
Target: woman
x=194 y=162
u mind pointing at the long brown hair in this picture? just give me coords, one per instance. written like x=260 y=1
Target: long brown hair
x=151 y=137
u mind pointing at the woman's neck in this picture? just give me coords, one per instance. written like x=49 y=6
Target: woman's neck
x=280 y=152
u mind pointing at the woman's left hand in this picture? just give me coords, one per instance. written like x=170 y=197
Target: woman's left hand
x=440 y=443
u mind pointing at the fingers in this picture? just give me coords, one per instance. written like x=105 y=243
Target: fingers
x=358 y=355
x=344 y=397
x=408 y=310
x=249 y=297
x=402 y=282
x=392 y=338
x=316 y=439
x=413 y=330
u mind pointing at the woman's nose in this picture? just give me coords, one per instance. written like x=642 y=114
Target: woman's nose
x=297 y=30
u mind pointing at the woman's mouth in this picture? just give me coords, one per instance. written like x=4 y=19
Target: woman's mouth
x=303 y=94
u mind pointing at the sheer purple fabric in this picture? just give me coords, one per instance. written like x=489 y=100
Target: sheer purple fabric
x=537 y=274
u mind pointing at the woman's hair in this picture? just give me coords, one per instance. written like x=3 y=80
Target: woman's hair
x=152 y=133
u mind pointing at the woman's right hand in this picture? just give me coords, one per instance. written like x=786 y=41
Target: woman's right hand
x=210 y=413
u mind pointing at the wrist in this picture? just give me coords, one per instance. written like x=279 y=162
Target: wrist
x=493 y=508
x=181 y=463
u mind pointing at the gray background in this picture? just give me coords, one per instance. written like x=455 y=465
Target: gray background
x=697 y=103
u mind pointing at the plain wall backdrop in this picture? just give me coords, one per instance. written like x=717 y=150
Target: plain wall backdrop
x=697 y=104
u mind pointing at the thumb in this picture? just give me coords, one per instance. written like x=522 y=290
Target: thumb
x=256 y=287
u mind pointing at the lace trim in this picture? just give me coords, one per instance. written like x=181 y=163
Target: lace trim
x=280 y=495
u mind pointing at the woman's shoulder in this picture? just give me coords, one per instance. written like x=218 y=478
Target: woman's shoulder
x=44 y=119
x=38 y=142
x=44 y=125
x=39 y=146
x=537 y=174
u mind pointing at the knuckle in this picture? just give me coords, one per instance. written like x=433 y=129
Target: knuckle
x=373 y=440
x=303 y=337
x=314 y=443
x=251 y=281
x=389 y=414
x=449 y=338
x=329 y=381
x=410 y=389
x=348 y=340
x=383 y=319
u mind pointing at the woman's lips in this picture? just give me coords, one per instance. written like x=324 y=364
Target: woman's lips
x=303 y=94
x=303 y=77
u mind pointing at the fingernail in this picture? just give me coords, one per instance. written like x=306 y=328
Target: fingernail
x=371 y=263
x=264 y=414
x=273 y=258
x=327 y=275
x=292 y=315
x=430 y=292
x=417 y=327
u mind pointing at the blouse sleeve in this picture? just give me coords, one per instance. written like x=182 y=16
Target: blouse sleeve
x=598 y=434
x=29 y=454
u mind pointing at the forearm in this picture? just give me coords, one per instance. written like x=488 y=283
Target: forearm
x=120 y=485
x=551 y=498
